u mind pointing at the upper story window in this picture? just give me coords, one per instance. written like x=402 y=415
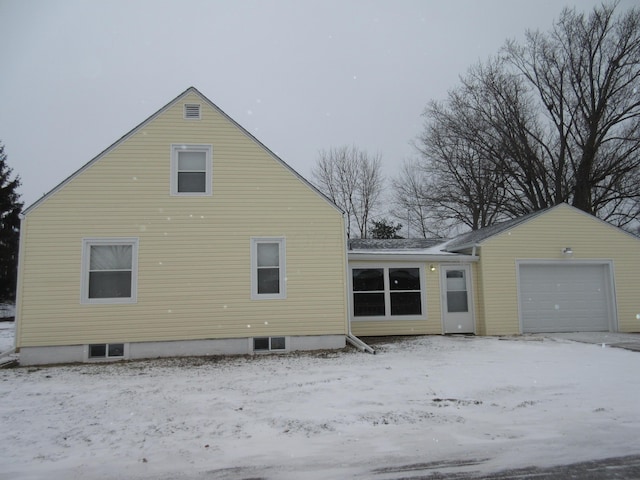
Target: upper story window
x=191 y=169
x=109 y=270
x=268 y=268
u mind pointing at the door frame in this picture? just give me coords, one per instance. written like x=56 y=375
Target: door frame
x=443 y=293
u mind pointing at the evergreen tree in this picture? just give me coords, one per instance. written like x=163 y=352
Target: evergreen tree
x=383 y=229
x=10 y=208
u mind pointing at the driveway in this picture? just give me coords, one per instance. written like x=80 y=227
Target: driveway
x=628 y=341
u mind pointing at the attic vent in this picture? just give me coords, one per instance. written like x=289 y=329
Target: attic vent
x=192 y=111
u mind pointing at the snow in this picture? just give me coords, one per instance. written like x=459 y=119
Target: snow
x=7 y=310
x=473 y=403
x=7 y=333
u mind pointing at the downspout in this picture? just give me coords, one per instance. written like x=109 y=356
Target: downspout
x=359 y=344
x=351 y=338
x=17 y=321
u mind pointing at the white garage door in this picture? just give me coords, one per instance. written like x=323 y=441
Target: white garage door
x=565 y=297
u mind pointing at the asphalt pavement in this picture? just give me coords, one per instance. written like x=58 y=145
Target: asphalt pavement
x=620 y=468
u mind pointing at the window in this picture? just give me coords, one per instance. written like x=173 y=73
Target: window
x=457 y=291
x=384 y=292
x=268 y=278
x=267 y=344
x=191 y=170
x=106 y=350
x=109 y=272
x=368 y=292
x=405 y=295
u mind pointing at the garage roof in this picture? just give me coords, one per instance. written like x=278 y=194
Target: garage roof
x=475 y=237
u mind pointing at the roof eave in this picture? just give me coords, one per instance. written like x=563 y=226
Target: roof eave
x=462 y=247
x=412 y=257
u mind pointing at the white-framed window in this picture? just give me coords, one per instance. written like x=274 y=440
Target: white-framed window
x=97 y=352
x=387 y=292
x=109 y=270
x=268 y=273
x=191 y=170
x=269 y=344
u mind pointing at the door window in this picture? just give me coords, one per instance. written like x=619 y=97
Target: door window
x=457 y=291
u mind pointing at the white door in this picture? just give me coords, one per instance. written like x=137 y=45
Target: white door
x=565 y=297
x=457 y=308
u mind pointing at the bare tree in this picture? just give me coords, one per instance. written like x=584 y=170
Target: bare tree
x=410 y=204
x=554 y=120
x=586 y=73
x=352 y=179
x=481 y=153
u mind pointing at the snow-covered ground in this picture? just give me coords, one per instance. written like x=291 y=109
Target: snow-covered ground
x=484 y=404
x=7 y=310
x=7 y=333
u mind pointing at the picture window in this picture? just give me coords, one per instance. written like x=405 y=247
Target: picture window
x=387 y=292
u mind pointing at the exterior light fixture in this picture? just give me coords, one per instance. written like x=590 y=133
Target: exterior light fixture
x=568 y=251
x=432 y=267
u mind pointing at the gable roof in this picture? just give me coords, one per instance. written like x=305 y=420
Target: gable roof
x=476 y=237
x=188 y=91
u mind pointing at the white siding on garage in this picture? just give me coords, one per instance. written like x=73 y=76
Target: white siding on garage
x=565 y=297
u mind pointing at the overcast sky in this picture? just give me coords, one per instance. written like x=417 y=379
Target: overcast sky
x=299 y=75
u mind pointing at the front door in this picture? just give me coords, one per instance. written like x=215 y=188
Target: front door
x=457 y=308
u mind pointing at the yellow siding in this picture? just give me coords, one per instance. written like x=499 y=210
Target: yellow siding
x=543 y=237
x=194 y=269
x=478 y=298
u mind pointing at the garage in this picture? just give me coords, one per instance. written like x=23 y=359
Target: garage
x=565 y=297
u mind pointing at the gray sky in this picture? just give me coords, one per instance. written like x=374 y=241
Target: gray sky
x=299 y=75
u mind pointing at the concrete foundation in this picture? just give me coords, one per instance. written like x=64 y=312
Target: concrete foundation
x=179 y=348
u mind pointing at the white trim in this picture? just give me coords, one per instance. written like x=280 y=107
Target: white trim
x=84 y=274
x=282 y=294
x=186 y=147
x=387 y=292
x=470 y=294
x=610 y=283
x=17 y=338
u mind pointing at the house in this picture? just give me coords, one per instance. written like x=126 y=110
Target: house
x=187 y=236
x=556 y=270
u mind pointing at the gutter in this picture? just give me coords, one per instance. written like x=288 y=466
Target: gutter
x=412 y=257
